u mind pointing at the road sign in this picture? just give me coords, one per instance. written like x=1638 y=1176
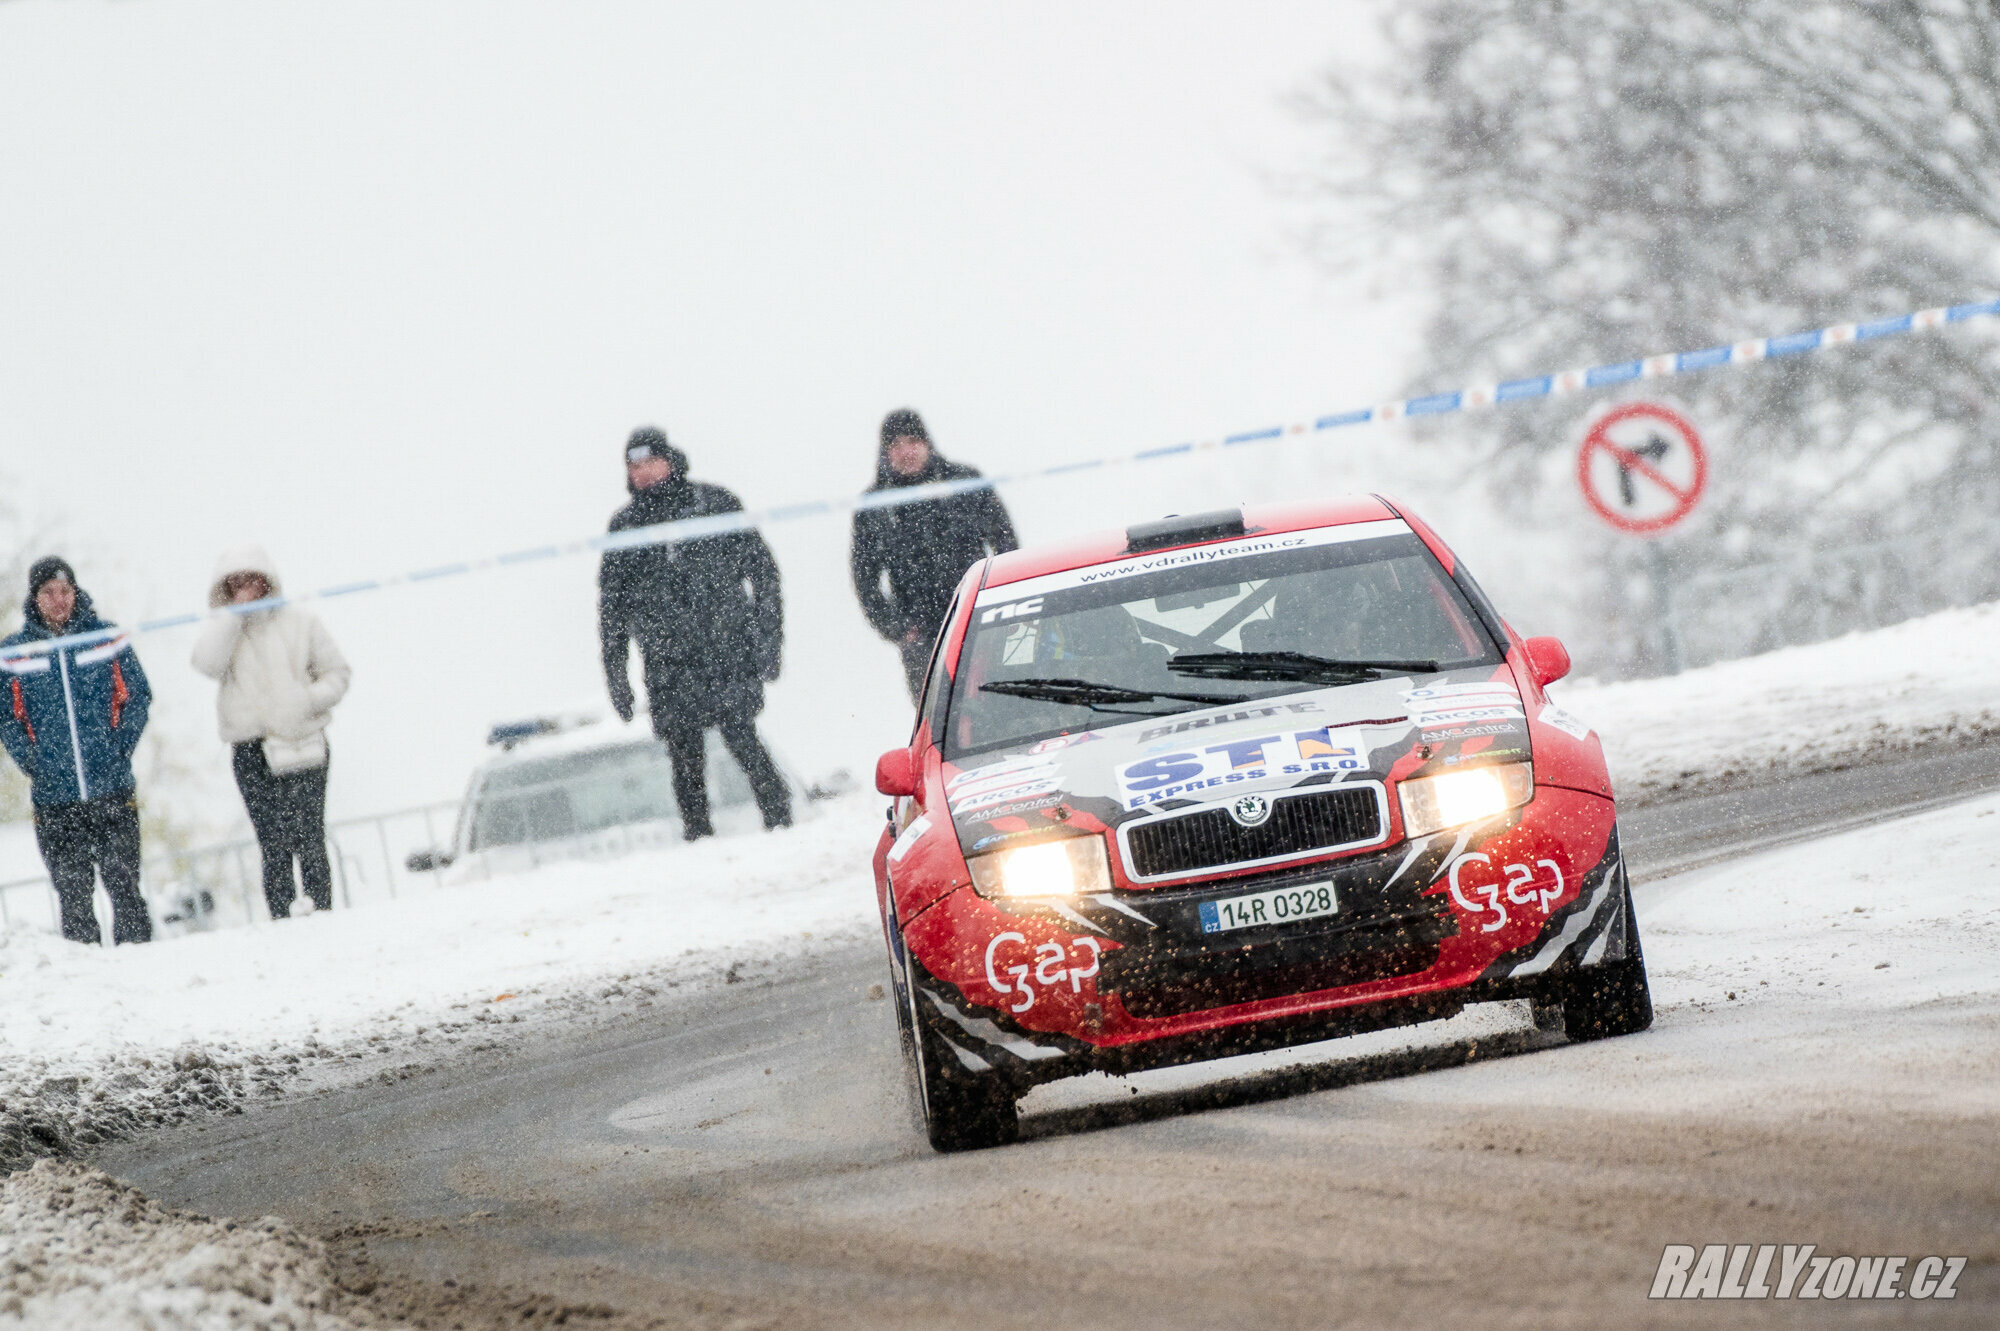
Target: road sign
x=1642 y=467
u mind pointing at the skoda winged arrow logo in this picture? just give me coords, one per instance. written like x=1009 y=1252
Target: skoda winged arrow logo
x=1250 y=810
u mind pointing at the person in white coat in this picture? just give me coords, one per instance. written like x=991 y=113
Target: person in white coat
x=281 y=676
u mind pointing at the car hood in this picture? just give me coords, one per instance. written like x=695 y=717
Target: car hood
x=1383 y=729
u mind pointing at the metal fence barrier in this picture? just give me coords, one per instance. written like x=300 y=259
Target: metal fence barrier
x=222 y=885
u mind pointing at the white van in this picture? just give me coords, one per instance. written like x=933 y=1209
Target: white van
x=565 y=788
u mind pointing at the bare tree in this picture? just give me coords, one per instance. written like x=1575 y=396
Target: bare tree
x=1590 y=180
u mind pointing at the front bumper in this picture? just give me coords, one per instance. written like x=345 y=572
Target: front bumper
x=1128 y=979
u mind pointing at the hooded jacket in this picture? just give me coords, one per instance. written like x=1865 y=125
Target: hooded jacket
x=280 y=671
x=707 y=614
x=71 y=716
x=908 y=558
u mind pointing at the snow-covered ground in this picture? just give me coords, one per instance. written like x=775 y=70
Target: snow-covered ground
x=96 y=1042
x=79 y=1249
x=1822 y=972
x=1829 y=704
x=94 y=1037
x=1785 y=974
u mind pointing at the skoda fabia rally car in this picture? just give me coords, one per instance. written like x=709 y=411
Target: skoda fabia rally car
x=1232 y=782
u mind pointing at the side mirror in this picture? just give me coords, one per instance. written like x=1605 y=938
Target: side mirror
x=896 y=773
x=1548 y=660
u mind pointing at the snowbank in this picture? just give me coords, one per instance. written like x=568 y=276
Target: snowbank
x=79 y=1249
x=408 y=962
x=95 y=1041
x=1813 y=708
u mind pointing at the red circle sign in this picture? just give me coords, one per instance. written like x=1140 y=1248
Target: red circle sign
x=1642 y=467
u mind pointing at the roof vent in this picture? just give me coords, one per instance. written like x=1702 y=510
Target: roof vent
x=1190 y=529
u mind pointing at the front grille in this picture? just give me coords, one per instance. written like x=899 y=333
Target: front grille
x=1211 y=838
x=1226 y=981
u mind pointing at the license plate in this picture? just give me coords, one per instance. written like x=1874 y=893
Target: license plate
x=1280 y=905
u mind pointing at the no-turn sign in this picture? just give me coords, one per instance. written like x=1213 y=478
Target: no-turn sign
x=1642 y=467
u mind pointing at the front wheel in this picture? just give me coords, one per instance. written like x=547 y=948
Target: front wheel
x=962 y=1108
x=1612 y=999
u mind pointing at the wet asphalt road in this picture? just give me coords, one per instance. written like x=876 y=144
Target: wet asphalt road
x=747 y=1158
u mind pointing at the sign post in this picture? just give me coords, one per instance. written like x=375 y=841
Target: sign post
x=1642 y=469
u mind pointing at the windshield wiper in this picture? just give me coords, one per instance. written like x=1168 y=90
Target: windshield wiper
x=1290 y=666
x=1098 y=697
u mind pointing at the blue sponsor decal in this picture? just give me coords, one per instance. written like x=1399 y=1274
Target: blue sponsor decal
x=1152 y=773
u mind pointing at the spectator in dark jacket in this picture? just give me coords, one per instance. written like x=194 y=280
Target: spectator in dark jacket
x=908 y=558
x=709 y=623
x=71 y=717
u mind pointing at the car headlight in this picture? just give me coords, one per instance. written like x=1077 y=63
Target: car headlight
x=1433 y=803
x=1070 y=867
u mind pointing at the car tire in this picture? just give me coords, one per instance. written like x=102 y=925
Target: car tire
x=1613 y=999
x=960 y=1108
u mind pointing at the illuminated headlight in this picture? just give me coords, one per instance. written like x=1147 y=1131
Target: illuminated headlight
x=1433 y=803
x=1070 y=867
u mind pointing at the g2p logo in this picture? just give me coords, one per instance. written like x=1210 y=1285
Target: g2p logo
x=1518 y=885
x=1047 y=966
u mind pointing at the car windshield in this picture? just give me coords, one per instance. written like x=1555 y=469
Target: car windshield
x=568 y=794
x=1064 y=653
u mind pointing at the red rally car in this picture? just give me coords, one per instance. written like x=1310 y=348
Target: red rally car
x=1230 y=782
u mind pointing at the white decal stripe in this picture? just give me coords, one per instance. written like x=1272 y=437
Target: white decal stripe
x=1190 y=557
x=1011 y=769
x=986 y=785
x=993 y=1035
x=1597 y=947
x=1553 y=715
x=1572 y=928
x=1416 y=848
x=1069 y=914
x=910 y=837
x=1474 y=711
x=969 y=804
x=967 y=1057
x=1113 y=903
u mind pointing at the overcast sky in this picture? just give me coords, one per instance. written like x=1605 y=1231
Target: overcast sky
x=386 y=284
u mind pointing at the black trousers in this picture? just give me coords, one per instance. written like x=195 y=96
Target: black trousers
x=688 y=751
x=289 y=813
x=86 y=840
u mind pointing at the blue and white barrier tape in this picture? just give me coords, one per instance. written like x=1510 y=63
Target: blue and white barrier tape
x=1432 y=404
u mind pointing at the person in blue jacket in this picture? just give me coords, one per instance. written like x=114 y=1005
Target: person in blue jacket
x=70 y=716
